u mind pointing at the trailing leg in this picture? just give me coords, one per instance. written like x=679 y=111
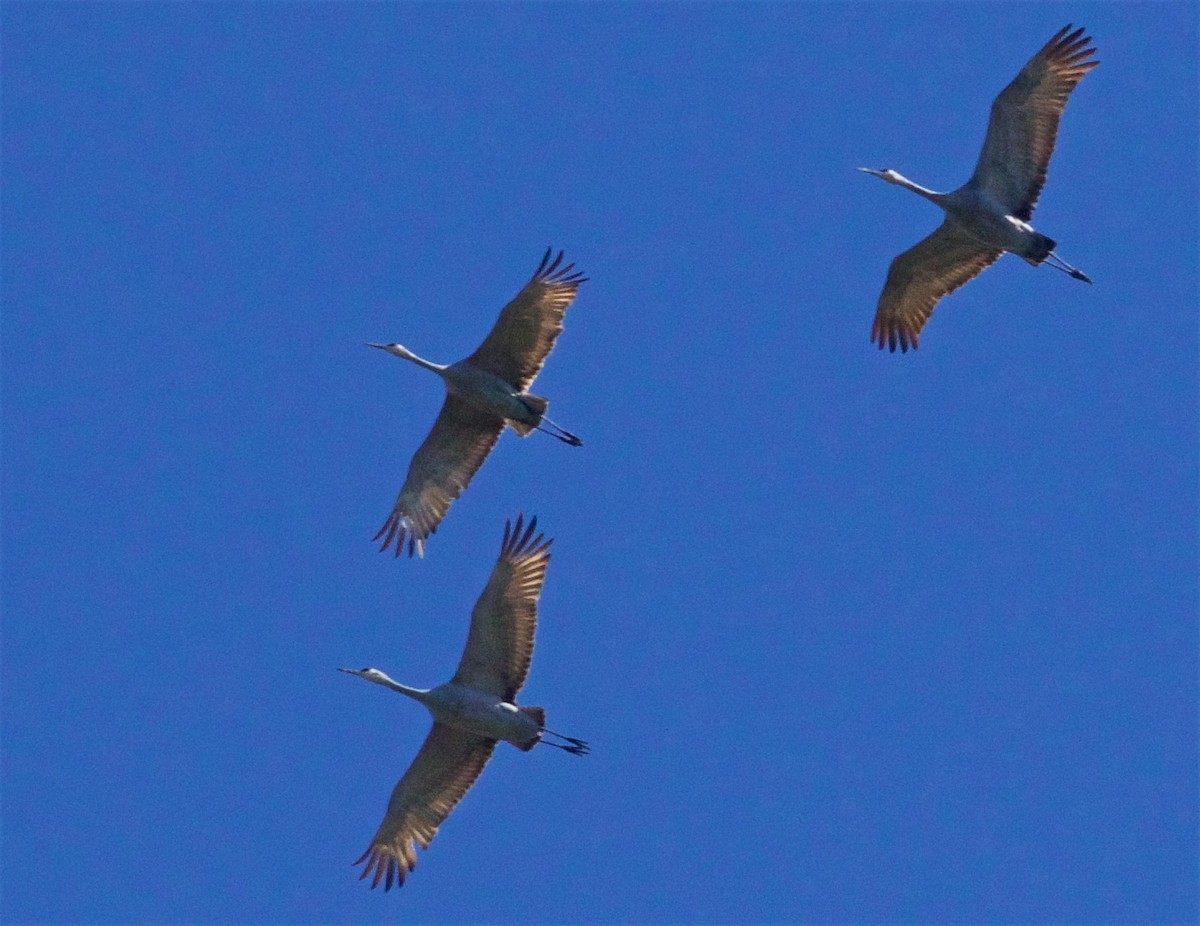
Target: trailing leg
x=560 y=432
x=1053 y=260
x=576 y=747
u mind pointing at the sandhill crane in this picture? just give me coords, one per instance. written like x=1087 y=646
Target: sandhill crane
x=484 y=392
x=990 y=213
x=471 y=712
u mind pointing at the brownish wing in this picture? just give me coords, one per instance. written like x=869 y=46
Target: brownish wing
x=442 y=467
x=1024 y=122
x=524 y=334
x=504 y=620
x=443 y=771
x=921 y=276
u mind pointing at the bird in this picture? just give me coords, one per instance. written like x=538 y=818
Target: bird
x=484 y=392
x=990 y=213
x=473 y=711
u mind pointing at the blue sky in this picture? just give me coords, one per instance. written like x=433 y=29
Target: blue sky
x=855 y=637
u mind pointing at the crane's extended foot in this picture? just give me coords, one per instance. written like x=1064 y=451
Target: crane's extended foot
x=561 y=433
x=1053 y=260
x=575 y=747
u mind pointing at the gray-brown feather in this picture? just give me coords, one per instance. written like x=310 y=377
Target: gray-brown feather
x=1024 y=122
x=524 y=334
x=920 y=277
x=499 y=646
x=443 y=466
x=444 y=769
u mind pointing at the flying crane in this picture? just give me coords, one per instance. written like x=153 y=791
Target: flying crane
x=990 y=213
x=484 y=392
x=472 y=712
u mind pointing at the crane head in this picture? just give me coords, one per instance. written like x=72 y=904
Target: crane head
x=398 y=350
x=371 y=675
x=887 y=174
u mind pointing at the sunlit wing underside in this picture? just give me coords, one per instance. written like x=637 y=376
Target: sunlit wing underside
x=499 y=646
x=461 y=438
x=1024 y=122
x=443 y=771
x=524 y=334
x=921 y=276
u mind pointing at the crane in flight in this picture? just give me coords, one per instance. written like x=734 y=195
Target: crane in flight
x=990 y=213
x=472 y=712
x=484 y=392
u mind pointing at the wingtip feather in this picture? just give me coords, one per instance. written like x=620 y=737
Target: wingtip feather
x=399 y=531
x=383 y=866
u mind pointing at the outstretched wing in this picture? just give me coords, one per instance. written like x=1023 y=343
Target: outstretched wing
x=442 y=467
x=500 y=643
x=921 y=276
x=443 y=771
x=1024 y=122
x=524 y=334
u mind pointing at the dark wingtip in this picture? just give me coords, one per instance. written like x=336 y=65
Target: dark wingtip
x=402 y=536
x=893 y=338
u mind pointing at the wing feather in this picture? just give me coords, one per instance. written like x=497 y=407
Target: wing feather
x=1024 y=122
x=500 y=643
x=459 y=442
x=443 y=771
x=524 y=334
x=921 y=276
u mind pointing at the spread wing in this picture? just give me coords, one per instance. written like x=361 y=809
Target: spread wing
x=1024 y=122
x=524 y=334
x=500 y=643
x=443 y=771
x=442 y=467
x=921 y=276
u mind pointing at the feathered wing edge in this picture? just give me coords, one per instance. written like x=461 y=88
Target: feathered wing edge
x=445 y=768
x=555 y=274
x=527 y=327
x=1023 y=125
x=499 y=647
x=443 y=466
x=918 y=279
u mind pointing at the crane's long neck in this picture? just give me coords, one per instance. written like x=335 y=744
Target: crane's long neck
x=438 y=368
x=932 y=195
x=401 y=352
x=417 y=694
x=379 y=678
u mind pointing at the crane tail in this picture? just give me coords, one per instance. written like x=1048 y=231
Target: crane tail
x=537 y=406
x=538 y=716
x=1042 y=248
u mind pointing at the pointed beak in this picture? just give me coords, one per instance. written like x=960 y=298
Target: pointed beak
x=380 y=346
x=867 y=170
x=349 y=671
